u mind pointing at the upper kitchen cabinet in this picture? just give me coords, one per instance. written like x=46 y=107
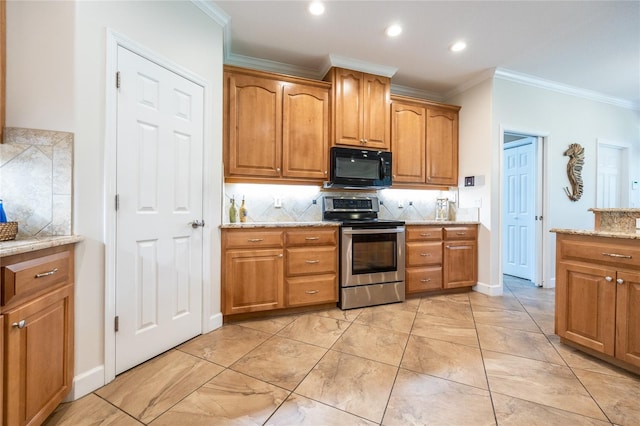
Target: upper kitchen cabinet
x=361 y=109
x=424 y=142
x=275 y=127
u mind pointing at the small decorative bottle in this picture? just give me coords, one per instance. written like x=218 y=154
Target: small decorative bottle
x=243 y=211
x=233 y=213
x=3 y=216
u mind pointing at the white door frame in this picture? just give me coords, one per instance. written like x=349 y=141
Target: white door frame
x=626 y=148
x=210 y=320
x=542 y=267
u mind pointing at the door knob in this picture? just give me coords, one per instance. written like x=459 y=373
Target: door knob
x=197 y=223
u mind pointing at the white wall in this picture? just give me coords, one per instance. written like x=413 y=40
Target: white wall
x=565 y=119
x=175 y=30
x=475 y=159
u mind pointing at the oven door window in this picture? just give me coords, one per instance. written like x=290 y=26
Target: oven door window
x=373 y=253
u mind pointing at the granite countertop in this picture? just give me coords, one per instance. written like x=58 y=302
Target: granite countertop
x=8 y=248
x=593 y=233
x=616 y=210
x=332 y=224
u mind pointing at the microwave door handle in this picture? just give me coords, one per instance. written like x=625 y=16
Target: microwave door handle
x=382 y=175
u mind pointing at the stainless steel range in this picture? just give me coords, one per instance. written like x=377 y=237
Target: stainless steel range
x=371 y=252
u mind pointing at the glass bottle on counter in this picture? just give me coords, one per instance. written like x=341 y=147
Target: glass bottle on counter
x=233 y=212
x=3 y=216
x=442 y=209
x=243 y=211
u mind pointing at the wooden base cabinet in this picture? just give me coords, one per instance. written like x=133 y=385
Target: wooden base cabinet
x=280 y=268
x=37 y=330
x=440 y=258
x=598 y=295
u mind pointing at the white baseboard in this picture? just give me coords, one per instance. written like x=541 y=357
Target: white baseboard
x=551 y=283
x=86 y=383
x=214 y=322
x=489 y=290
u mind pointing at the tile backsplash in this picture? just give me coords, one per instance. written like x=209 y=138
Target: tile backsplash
x=304 y=203
x=36 y=181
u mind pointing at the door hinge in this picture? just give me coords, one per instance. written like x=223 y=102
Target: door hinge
x=117 y=79
x=116 y=323
x=117 y=201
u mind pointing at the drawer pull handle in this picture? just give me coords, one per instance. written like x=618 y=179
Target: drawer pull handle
x=425 y=280
x=312 y=238
x=425 y=254
x=608 y=279
x=46 y=274
x=425 y=235
x=20 y=324
x=620 y=281
x=312 y=261
x=461 y=233
x=312 y=291
x=255 y=240
x=619 y=256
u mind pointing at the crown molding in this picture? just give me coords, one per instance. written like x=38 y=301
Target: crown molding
x=516 y=77
x=362 y=66
x=213 y=11
x=271 y=66
x=482 y=76
x=397 y=89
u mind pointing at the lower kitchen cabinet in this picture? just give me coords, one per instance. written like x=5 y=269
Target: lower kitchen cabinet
x=285 y=267
x=460 y=257
x=598 y=296
x=37 y=333
x=440 y=258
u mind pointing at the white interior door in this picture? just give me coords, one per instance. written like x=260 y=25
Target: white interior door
x=159 y=184
x=611 y=184
x=519 y=211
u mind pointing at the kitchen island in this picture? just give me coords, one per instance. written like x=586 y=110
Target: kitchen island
x=598 y=290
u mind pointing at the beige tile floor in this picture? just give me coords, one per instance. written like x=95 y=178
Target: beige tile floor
x=463 y=359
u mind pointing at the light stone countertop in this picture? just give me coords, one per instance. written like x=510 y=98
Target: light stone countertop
x=8 y=248
x=248 y=225
x=592 y=233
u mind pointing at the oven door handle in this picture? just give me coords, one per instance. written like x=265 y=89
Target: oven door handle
x=360 y=231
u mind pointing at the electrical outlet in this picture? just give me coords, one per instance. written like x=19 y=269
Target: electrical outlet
x=410 y=203
x=277 y=202
x=400 y=204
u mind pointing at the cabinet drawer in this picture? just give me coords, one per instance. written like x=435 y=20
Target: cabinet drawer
x=460 y=233
x=253 y=238
x=319 y=260
x=423 y=279
x=312 y=290
x=31 y=276
x=420 y=254
x=617 y=252
x=423 y=233
x=312 y=237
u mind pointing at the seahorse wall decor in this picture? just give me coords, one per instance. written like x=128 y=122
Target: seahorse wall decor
x=574 y=171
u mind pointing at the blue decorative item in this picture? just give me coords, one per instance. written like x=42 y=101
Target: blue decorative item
x=3 y=216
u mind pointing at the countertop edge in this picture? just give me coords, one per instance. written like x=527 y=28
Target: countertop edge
x=592 y=233
x=9 y=248
x=249 y=225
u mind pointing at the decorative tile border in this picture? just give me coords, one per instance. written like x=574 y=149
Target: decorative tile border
x=36 y=181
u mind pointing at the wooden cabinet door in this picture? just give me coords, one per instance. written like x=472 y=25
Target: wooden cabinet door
x=408 y=140
x=442 y=147
x=586 y=305
x=305 y=132
x=39 y=356
x=376 y=109
x=253 y=280
x=460 y=264
x=348 y=100
x=254 y=133
x=628 y=317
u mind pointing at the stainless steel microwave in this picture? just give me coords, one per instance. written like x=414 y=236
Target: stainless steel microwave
x=360 y=168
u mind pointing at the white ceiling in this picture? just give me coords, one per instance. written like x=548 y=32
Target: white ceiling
x=593 y=46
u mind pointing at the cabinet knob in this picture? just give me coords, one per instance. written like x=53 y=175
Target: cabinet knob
x=19 y=324
x=608 y=279
x=278 y=169
x=620 y=281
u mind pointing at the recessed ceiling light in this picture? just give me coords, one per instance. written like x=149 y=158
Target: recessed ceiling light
x=458 y=46
x=393 y=30
x=316 y=8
